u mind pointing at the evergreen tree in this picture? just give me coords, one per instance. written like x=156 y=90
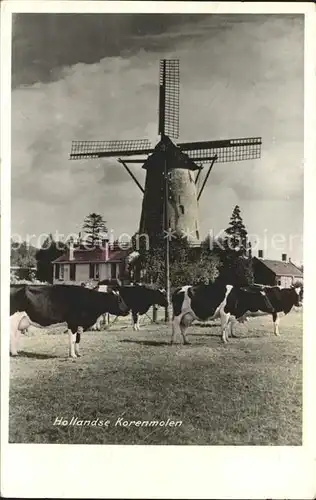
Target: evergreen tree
x=236 y=239
x=235 y=252
x=94 y=226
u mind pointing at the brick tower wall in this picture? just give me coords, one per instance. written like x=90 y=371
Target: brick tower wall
x=183 y=213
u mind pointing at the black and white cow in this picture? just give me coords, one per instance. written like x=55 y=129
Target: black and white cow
x=77 y=306
x=139 y=299
x=217 y=300
x=282 y=301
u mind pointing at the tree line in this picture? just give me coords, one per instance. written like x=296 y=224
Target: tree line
x=228 y=257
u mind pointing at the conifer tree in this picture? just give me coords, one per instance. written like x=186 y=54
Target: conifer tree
x=236 y=252
x=236 y=239
x=94 y=226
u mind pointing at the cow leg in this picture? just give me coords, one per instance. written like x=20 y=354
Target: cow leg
x=22 y=327
x=105 y=319
x=231 y=328
x=72 y=339
x=77 y=350
x=135 y=321
x=276 y=322
x=225 y=320
x=175 y=327
x=15 y=322
x=138 y=322
x=14 y=341
x=183 y=329
x=78 y=337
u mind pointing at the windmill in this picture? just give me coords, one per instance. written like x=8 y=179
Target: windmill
x=170 y=194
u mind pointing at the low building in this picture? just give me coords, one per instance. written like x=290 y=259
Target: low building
x=78 y=265
x=276 y=272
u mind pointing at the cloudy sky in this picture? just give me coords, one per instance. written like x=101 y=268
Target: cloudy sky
x=96 y=77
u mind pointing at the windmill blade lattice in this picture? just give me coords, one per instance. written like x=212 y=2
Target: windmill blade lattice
x=100 y=149
x=225 y=150
x=169 y=92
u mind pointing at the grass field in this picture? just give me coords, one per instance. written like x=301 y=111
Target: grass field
x=248 y=392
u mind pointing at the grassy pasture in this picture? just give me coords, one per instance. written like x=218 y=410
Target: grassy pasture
x=248 y=392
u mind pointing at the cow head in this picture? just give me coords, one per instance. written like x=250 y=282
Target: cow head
x=297 y=291
x=116 y=304
x=161 y=297
x=267 y=307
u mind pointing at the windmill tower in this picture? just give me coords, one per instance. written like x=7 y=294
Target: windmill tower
x=170 y=195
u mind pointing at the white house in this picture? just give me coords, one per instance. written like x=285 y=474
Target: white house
x=78 y=265
x=276 y=272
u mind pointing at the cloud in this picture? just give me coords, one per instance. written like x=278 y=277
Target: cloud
x=44 y=43
x=237 y=79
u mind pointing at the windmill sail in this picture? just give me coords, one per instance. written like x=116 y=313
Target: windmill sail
x=226 y=150
x=169 y=92
x=100 y=149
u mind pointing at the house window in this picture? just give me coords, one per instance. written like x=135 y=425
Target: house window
x=113 y=270
x=62 y=272
x=94 y=271
x=182 y=209
x=279 y=282
x=57 y=271
x=72 y=272
x=197 y=235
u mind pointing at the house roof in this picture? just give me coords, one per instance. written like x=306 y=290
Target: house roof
x=282 y=268
x=96 y=255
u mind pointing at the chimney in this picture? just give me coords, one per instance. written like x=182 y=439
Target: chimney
x=284 y=257
x=105 y=240
x=71 y=251
x=260 y=254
